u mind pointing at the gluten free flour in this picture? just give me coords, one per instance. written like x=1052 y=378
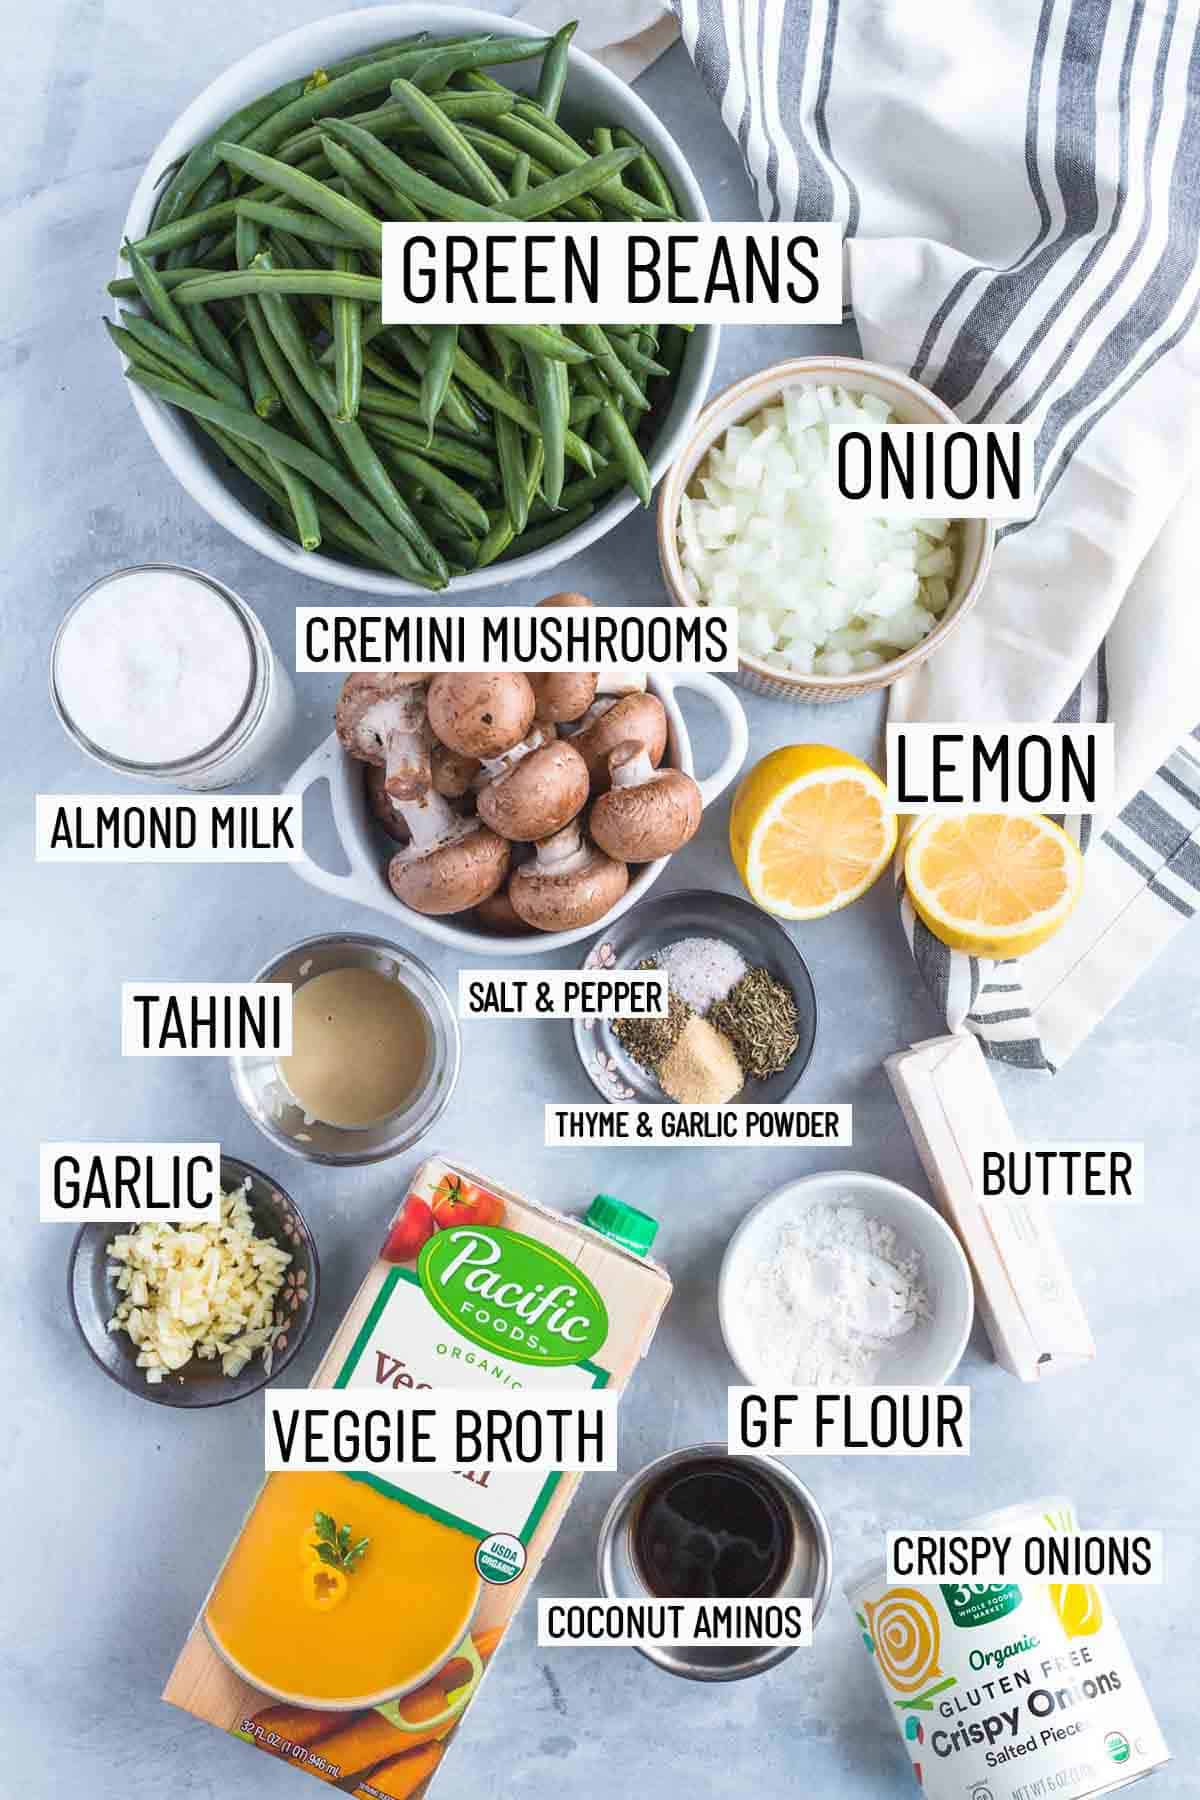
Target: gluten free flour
x=836 y=1290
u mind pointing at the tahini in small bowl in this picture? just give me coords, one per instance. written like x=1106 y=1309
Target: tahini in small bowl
x=260 y=1087
x=94 y=1296
x=911 y=404
x=593 y=95
x=925 y=1356
x=645 y=932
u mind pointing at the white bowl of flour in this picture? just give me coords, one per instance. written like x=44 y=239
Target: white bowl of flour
x=844 y=1279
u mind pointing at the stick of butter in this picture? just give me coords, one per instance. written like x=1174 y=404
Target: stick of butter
x=1024 y=1292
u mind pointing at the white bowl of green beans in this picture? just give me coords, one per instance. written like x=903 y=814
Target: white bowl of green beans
x=398 y=460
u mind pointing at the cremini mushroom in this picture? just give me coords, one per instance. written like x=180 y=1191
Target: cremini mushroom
x=381 y=719
x=559 y=695
x=451 y=864
x=480 y=715
x=453 y=774
x=534 y=789
x=647 y=812
x=569 y=883
x=635 y=718
x=498 y=914
x=383 y=807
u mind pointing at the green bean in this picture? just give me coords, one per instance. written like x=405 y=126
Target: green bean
x=299 y=224
x=672 y=345
x=232 y=284
x=561 y=151
x=633 y=356
x=416 y=354
x=554 y=70
x=137 y=353
x=438 y=370
x=214 y=344
x=504 y=157
x=160 y=303
x=321 y=473
x=625 y=450
x=552 y=418
x=518 y=181
x=347 y=343
x=544 y=340
x=436 y=69
x=409 y=182
x=441 y=487
x=583 y=408
x=380 y=367
x=646 y=171
x=591 y=487
x=445 y=135
x=352 y=168
x=186 y=230
x=253 y=465
x=126 y=288
x=373 y=476
x=574 y=184
x=313 y=194
x=540 y=535
x=308 y=418
x=510 y=444
x=450 y=452
x=610 y=365
x=264 y=395
x=391 y=120
x=373 y=77
x=184 y=361
x=502 y=531
x=303 y=504
x=493 y=394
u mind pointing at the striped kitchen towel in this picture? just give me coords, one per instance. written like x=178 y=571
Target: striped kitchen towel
x=1020 y=185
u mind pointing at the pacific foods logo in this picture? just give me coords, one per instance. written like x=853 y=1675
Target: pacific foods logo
x=510 y=1294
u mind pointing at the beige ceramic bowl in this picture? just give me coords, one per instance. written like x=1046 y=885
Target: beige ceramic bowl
x=911 y=404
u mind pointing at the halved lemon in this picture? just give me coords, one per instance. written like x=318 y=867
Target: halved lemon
x=992 y=884
x=811 y=829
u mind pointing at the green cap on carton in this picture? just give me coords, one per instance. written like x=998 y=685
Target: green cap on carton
x=632 y=1229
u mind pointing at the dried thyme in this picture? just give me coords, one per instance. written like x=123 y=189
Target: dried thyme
x=650 y=1041
x=760 y=1020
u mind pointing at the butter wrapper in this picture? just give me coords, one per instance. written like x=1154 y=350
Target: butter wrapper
x=1026 y=1298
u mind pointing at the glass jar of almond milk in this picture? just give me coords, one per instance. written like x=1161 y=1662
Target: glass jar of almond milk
x=164 y=674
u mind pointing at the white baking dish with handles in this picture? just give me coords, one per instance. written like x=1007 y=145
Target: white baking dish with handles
x=365 y=849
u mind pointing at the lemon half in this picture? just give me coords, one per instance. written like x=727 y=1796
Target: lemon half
x=992 y=884
x=811 y=829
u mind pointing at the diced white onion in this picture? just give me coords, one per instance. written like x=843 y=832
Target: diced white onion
x=820 y=590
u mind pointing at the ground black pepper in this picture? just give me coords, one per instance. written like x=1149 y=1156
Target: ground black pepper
x=650 y=1041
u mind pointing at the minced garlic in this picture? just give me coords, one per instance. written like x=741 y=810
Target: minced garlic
x=198 y=1290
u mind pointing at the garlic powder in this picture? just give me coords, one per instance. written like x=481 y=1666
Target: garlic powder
x=203 y=1290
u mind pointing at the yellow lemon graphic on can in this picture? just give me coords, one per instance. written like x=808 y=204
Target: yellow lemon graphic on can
x=1078 y=1607
x=908 y=1638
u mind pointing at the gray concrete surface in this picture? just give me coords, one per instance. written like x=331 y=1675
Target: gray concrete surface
x=116 y=1514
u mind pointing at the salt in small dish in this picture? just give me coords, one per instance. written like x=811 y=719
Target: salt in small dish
x=646 y=932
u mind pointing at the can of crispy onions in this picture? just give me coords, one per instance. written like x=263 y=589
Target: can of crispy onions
x=1007 y=1692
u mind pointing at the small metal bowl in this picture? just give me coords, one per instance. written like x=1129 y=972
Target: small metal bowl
x=93 y=1294
x=260 y=1087
x=808 y=1577
x=646 y=931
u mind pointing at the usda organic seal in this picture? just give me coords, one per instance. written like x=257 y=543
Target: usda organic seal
x=500 y=1558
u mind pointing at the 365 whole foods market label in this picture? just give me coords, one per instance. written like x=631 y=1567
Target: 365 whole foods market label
x=108 y=828
x=1009 y=1689
x=487 y=1309
x=663 y=1124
